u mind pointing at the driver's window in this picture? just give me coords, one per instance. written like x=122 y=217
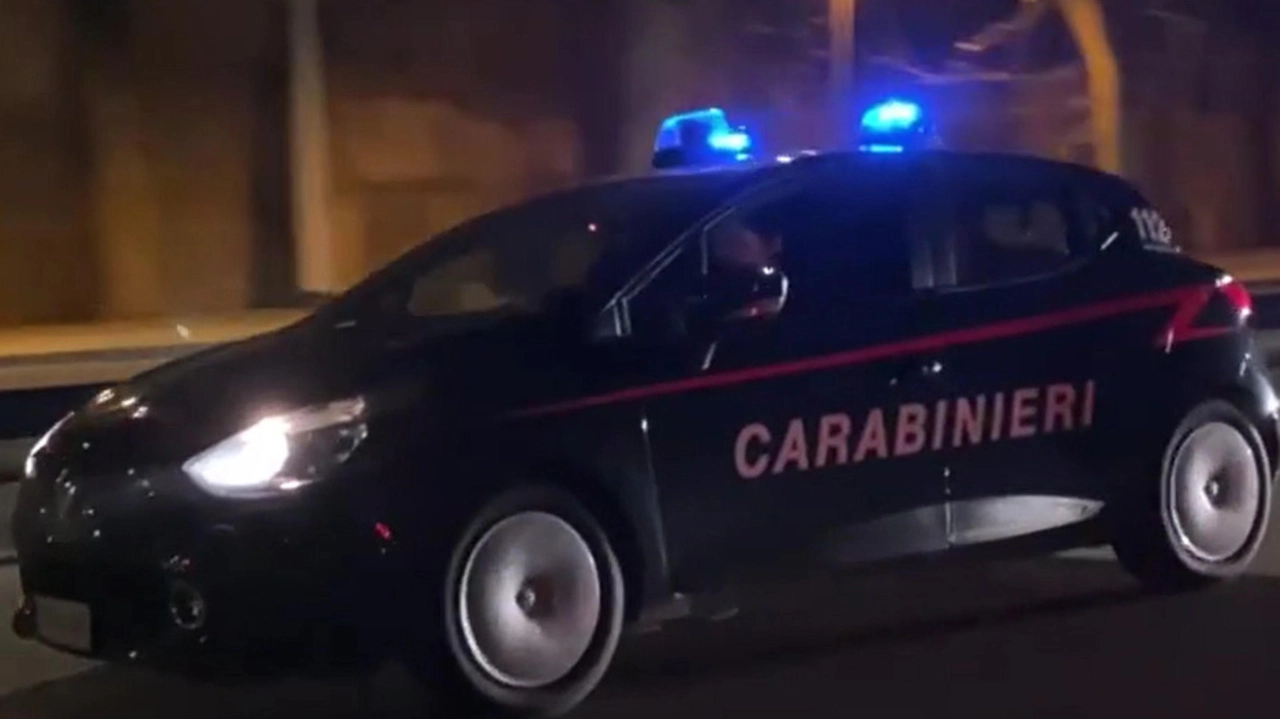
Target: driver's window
x=809 y=251
x=659 y=310
x=839 y=244
x=717 y=273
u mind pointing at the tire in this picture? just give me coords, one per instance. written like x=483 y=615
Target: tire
x=1205 y=519
x=572 y=562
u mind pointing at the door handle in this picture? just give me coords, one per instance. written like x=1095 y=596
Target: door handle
x=920 y=369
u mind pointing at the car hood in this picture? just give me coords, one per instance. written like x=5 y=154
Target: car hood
x=181 y=408
x=282 y=368
x=184 y=406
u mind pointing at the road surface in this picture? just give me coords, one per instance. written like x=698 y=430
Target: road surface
x=1049 y=638
x=23 y=664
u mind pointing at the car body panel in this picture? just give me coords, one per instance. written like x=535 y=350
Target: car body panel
x=833 y=432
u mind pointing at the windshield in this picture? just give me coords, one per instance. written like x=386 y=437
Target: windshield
x=514 y=260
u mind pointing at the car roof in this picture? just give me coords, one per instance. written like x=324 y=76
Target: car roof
x=744 y=174
x=722 y=183
x=1033 y=162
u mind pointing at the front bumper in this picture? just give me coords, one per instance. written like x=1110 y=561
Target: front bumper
x=186 y=582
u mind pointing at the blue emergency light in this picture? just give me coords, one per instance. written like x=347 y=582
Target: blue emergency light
x=893 y=126
x=699 y=138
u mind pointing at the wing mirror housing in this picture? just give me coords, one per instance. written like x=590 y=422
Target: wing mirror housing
x=743 y=296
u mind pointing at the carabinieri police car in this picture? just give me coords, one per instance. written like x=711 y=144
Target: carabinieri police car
x=588 y=410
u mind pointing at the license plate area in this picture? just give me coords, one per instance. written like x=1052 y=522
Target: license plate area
x=64 y=623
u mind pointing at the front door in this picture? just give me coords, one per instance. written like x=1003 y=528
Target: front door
x=803 y=429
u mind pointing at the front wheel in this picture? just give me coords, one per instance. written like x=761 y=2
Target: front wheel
x=533 y=606
x=1207 y=517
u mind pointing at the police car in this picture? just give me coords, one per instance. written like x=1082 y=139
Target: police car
x=587 y=411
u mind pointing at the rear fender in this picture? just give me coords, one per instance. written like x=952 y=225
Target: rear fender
x=1260 y=409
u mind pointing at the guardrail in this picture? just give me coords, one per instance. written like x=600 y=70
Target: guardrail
x=46 y=370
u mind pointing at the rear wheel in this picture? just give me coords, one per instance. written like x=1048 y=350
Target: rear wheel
x=1206 y=518
x=532 y=607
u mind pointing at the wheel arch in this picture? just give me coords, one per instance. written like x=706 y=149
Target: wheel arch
x=1249 y=393
x=1144 y=539
x=1248 y=404
x=1161 y=423
x=628 y=519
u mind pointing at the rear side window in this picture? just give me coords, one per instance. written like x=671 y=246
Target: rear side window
x=1009 y=224
x=1130 y=215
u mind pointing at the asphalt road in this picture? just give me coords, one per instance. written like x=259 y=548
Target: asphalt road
x=1047 y=638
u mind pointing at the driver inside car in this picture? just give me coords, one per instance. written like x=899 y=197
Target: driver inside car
x=740 y=245
x=745 y=254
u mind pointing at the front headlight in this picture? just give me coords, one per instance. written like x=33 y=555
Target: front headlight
x=281 y=453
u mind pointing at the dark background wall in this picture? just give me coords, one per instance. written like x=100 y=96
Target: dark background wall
x=144 y=143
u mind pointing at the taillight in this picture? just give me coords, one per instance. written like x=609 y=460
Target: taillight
x=1237 y=294
x=1186 y=322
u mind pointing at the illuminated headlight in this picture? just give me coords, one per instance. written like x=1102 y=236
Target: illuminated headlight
x=281 y=453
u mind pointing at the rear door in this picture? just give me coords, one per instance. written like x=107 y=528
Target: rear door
x=1035 y=330
x=807 y=431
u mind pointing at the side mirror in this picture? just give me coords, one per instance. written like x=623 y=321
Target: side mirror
x=745 y=296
